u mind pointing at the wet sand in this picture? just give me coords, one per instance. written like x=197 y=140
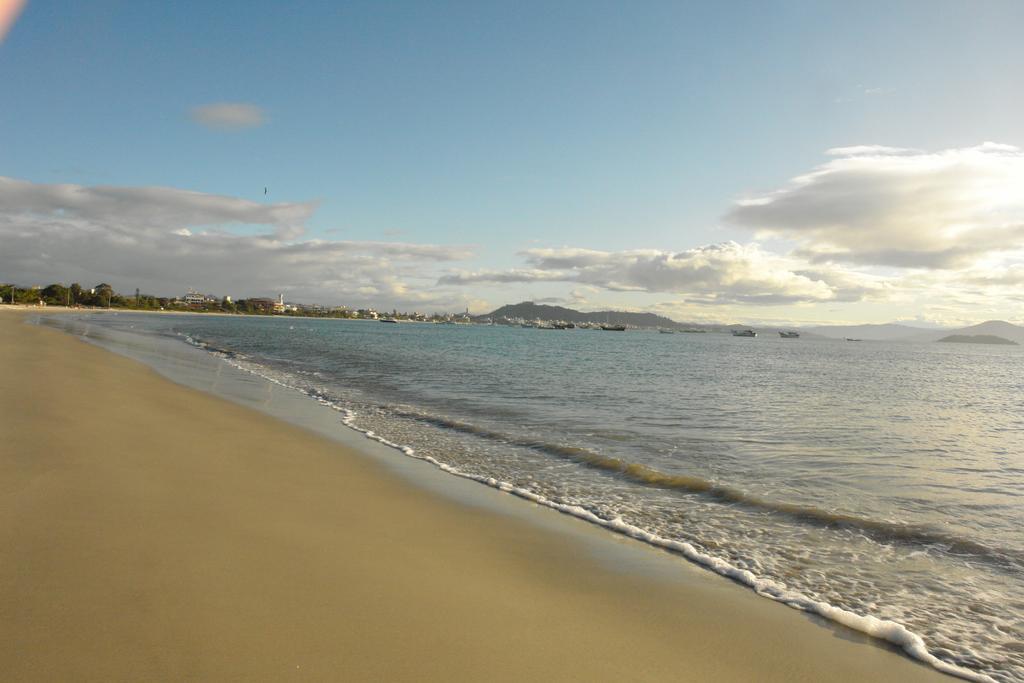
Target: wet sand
x=152 y=532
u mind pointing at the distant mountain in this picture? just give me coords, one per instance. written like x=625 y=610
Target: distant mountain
x=994 y=328
x=898 y=332
x=528 y=310
x=976 y=339
x=884 y=332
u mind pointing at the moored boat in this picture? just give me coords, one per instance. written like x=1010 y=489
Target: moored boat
x=744 y=333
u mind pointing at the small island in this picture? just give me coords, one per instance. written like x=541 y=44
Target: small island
x=977 y=339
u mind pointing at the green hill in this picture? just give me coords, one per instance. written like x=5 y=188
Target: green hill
x=528 y=310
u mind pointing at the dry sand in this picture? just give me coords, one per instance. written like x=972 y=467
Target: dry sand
x=151 y=532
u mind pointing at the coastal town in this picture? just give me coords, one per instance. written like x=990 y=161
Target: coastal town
x=525 y=314
x=103 y=296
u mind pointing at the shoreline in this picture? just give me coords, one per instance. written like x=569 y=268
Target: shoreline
x=154 y=531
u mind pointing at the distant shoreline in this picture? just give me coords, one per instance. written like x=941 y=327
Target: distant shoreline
x=978 y=339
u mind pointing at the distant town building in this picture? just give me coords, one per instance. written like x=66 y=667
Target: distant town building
x=262 y=304
x=194 y=298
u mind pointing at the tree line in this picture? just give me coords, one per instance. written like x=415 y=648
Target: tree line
x=104 y=296
x=100 y=296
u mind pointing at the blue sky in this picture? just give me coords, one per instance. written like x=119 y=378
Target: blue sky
x=600 y=126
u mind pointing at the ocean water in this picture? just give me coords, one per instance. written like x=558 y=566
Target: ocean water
x=877 y=484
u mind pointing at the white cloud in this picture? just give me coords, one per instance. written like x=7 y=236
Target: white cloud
x=164 y=240
x=726 y=273
x=868 y=150
x=500 y=277
x=229 y=115
x=897 y=207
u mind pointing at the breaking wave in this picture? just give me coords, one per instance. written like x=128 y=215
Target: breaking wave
x=878 y=530
x=890 y=631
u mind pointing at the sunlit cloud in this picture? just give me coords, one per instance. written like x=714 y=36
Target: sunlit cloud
x=716 y=274
x=229 y=115
x=165 y=239
x=897 y=207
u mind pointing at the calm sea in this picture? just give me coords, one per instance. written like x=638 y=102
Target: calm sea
x=877 y=484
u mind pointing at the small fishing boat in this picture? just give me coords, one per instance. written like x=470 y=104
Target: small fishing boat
x=388 y=320
x=613 y=328
x=663 y=330
x=744 y=333
x=789 y=335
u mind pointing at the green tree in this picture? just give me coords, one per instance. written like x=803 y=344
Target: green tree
x=103 y=295
x=28 y=296
x=55 y=295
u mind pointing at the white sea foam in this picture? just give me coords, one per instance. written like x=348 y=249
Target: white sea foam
x=897 y=634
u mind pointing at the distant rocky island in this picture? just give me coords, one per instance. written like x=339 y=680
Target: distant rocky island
x=977 y=339
x=528 y=310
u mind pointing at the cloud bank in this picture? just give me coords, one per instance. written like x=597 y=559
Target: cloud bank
x=884 y=206
x=726 y=273
x=164 y=240
x=229 y=115
x=927 y=233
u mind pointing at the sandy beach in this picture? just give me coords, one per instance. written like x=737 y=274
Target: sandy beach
x=152 y=532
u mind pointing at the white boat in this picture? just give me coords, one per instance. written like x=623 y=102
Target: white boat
x=744 y=333
x=662 y=330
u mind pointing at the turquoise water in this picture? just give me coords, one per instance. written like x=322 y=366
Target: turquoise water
x=873 y=481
